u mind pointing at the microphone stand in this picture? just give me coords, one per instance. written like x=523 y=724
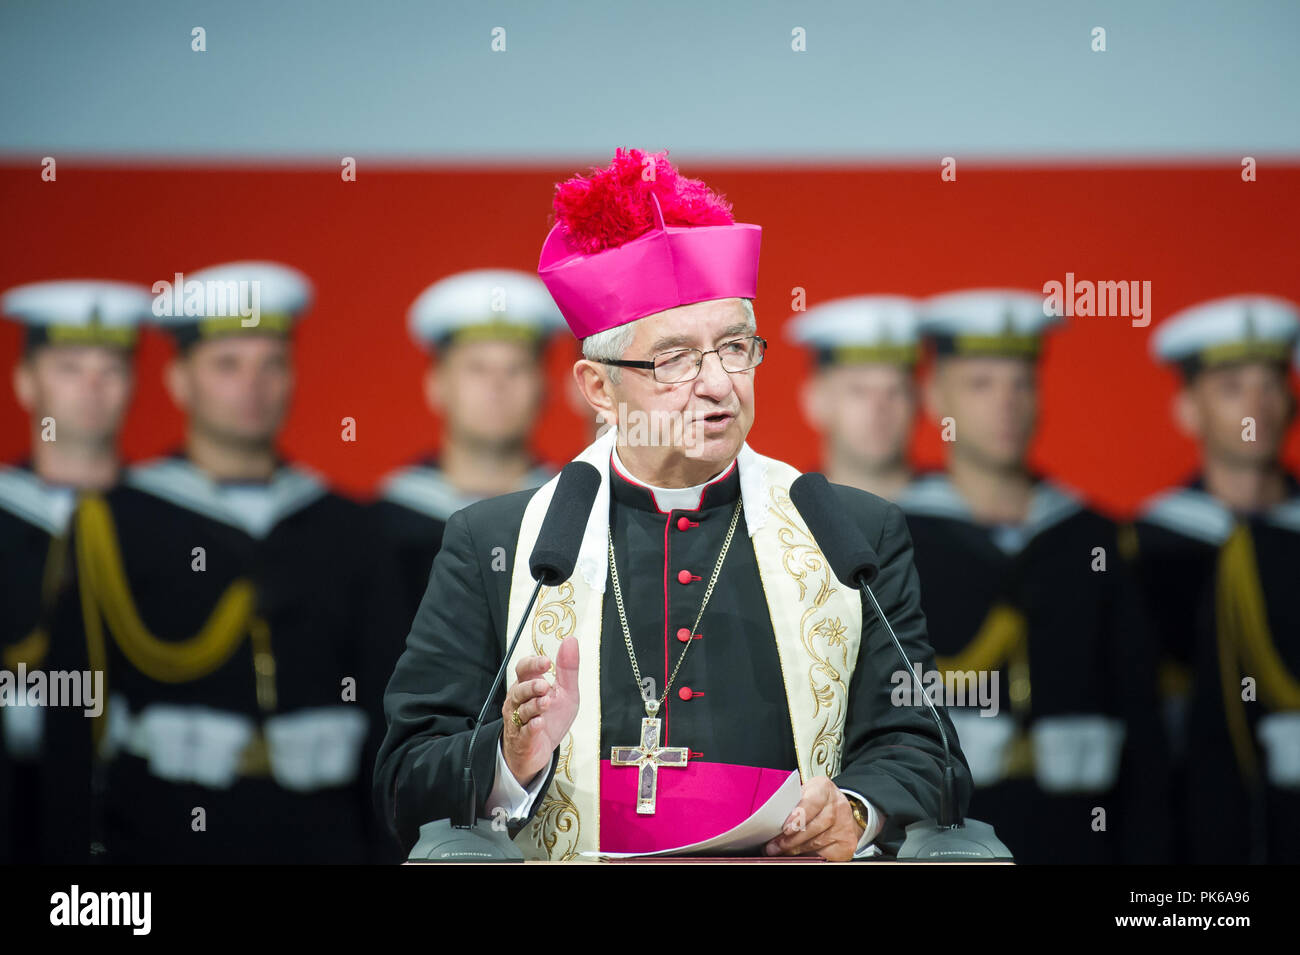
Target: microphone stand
x=950 y=839
x=461 y=838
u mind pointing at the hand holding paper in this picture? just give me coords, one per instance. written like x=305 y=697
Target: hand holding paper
x=821 y=824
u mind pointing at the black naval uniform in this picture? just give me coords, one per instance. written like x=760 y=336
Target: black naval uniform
x=33 y=519
x=1083 y=649
x=6 y=806
x=413 y=507
x=325 y=609
x=1231 y=809
x=892 y=755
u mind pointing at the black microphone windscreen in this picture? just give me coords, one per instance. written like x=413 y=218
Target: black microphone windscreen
x=848 y=553
x=560 y=538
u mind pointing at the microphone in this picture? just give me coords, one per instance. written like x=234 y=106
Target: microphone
x=850 y=557
x=560 y=538
x=855 y=563
x=462 y=839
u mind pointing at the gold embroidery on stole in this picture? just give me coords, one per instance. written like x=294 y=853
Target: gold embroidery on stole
x=813 y=616
x=557 y=829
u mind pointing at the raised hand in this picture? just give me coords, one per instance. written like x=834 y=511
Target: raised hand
x=545 y=711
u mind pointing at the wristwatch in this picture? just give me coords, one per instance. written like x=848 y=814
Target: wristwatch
x=859 y=810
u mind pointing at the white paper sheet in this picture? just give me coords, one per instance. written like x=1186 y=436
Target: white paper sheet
x=760 y=828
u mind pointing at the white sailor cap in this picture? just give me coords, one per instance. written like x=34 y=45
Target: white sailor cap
x=860 y=328
x=485 y=303
x=1001 y=322
x=78 y=311
x=1228 y=330
x=260 y=298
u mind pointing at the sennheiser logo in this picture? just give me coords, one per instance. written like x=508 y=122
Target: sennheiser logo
x=102 y=908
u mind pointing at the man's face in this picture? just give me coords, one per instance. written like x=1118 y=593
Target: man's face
x=866 y=411
x=713 y=411
x=488 y=392
x=994 y=402
x=86 y=389
x=235 y=390
x=1213 y=405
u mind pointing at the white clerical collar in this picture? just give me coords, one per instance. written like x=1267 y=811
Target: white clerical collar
x=672 y=498
x=593 y=556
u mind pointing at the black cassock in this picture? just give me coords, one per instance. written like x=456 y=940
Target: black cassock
x=32 y=524
x=413 y=506
x=1087 y=651
x=728 y=704
x=326 y=615
x=1229 y=807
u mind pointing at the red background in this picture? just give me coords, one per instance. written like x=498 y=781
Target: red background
x=370 y=246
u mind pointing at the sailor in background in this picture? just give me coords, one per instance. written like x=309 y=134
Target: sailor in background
x=1219 y=561
x=1021 y=578
x=74 y=381
x=246 y=618
x=862 y=398
x=486 y=330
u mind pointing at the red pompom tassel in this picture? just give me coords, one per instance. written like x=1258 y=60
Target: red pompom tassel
x=613 y=206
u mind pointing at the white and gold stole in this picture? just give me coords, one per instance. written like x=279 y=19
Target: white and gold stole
x=816 y=619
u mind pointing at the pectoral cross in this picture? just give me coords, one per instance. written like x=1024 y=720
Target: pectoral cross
x=649 y=756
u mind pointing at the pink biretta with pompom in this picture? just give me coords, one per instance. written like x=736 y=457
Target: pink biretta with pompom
x=636 y=238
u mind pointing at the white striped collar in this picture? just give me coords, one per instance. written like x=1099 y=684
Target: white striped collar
x=254 y=509
x=426 y=490
x=43 y=505
x=935 y=496
x=1200 y=515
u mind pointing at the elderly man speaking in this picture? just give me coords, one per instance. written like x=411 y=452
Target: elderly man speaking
x=702 y=632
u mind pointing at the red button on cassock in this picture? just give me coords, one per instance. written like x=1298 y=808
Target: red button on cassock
x=683 y=523
x=684 y=576
x=686 y=693
x=684 y=634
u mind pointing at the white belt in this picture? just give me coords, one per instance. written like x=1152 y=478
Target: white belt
x=24 y=729
x=1279 y=734
x=1079 y=754
x=313 y=749
x=307 y=749
x=1071 y=753
x=984 y=741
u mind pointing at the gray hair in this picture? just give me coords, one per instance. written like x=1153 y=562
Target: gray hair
x=613 y=342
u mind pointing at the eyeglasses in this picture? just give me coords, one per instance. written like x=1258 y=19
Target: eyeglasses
x=683 y=364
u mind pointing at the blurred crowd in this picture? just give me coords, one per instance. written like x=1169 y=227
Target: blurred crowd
x=196 y=647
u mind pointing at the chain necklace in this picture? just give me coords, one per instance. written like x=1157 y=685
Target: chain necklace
x=652 y=706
